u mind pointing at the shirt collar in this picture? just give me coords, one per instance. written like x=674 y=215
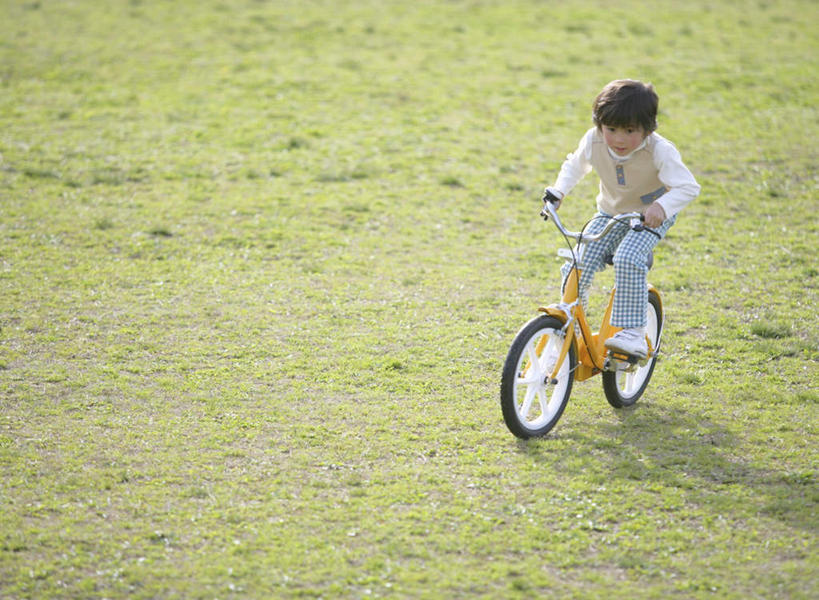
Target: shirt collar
x=619 y=158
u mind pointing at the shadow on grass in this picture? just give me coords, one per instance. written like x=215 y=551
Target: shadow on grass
x=702 y=459
x=705 y=459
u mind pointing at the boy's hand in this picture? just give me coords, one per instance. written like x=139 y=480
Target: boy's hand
x=553 y=196
x=654 y=216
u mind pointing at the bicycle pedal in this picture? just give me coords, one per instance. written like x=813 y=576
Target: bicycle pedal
x=617 y=361
x=629 y=358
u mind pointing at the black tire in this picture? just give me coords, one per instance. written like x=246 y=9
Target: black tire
x=521 y=382
x=624 y=389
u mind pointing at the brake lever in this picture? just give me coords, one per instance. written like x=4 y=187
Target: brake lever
x=544 y=213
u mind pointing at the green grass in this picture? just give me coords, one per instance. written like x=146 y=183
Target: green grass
x=261 y=262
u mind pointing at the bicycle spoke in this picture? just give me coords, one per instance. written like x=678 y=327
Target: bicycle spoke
x=625 y=382
x=544 y=401
x=550 y=350
x=534 y=359
x=531 y=390
x=630 y=379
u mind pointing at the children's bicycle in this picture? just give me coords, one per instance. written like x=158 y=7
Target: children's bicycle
x=556 y=348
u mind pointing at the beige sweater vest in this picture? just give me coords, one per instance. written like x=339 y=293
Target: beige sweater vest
x=625 y=186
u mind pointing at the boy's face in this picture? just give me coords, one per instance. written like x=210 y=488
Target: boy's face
x=623 y=140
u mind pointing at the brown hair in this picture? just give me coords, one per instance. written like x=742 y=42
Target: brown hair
x=626 y=103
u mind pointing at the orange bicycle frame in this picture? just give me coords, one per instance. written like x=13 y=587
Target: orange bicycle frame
x=589 y=347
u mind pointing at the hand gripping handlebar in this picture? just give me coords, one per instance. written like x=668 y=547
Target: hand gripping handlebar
x=635 y=221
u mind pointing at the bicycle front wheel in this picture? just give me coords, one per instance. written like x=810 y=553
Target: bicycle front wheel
x=623 y=388
x=530 y=402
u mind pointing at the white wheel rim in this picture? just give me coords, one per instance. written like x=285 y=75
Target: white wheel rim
x=537 y=402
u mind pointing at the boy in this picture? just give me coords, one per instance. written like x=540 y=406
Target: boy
x=640 y=171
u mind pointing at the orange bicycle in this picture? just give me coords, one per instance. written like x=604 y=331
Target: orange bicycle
x=556 y=348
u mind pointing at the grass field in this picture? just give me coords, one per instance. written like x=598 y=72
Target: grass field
x=261 y=262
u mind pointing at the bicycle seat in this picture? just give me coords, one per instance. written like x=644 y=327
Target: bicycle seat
x=649 y=259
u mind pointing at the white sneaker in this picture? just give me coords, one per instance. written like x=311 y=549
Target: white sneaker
x=629 y=341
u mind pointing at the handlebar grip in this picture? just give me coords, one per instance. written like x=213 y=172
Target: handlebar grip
x=640 y=227
x=550 y=197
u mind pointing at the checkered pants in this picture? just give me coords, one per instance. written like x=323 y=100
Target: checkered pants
x=630 y=250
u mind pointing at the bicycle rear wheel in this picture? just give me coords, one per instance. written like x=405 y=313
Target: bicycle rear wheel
x=531 y=404
x=625 y=388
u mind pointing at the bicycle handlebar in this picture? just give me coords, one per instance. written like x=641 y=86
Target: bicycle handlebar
x=550 y=211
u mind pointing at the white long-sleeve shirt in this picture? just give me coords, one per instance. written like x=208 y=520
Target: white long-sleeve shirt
x=680 y=186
